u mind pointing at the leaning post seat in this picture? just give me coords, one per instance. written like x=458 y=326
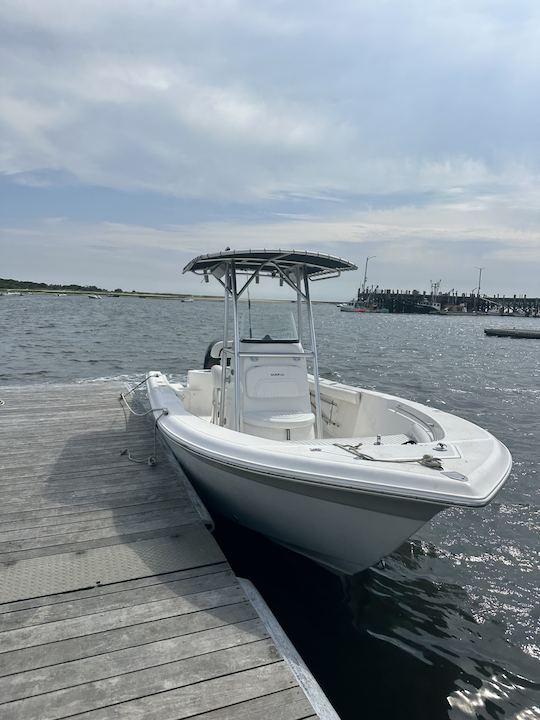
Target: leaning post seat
x=275 y=392
x=197 y=396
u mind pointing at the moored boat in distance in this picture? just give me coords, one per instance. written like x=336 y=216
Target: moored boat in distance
x=513 y=333
x=361 y=307
x=427 y=308
x=340 y=474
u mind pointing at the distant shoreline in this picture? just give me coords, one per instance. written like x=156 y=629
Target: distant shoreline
x=29 y=288
x=106 y=293
x=143 y=295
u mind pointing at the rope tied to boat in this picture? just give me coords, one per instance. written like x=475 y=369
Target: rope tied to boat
x=426 y=460
x=122 y=398
x=151 y=460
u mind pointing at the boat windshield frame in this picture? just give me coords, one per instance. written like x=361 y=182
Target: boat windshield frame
x=292 y=268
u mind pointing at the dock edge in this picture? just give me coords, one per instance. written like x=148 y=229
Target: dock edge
x=299 y=669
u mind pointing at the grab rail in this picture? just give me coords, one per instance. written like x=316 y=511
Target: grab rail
x=228 y=351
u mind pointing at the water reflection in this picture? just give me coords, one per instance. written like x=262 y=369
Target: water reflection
x=457 y=654
x=394 y=641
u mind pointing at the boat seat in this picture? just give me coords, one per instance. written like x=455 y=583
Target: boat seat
x=280 y=420
x=276 y=401
x=276 y=381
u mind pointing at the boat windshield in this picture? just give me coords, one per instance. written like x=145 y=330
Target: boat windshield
x=267 y=322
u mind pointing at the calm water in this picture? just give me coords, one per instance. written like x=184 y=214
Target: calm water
x=449 y=628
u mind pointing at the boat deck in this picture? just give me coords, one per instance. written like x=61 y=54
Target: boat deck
x=115 y=600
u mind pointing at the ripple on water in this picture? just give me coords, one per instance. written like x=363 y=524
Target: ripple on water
x=450 y=626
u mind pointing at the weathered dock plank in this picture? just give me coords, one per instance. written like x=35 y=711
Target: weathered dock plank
x=177 y=512
x=220 y=693
x=122 y=688
x=115 y=600
x=134 y=658
x=112 y=562
x=113 y=515
x=87 y=604
x=175 y=626
x=101 y=590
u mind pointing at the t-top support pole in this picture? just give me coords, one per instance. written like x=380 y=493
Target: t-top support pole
x=224 y=355
x=318 y=414
x=237 y=415
x=299 y=302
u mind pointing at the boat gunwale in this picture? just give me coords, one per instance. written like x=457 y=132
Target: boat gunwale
x=341 y=483
x=302 y=476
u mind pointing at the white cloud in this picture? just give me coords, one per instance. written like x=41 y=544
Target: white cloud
x=412 y=244
x=346 y=105
x=228 y=99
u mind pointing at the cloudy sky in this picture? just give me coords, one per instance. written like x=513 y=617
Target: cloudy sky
x=135 y=135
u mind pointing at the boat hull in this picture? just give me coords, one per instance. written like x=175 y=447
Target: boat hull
x=319 y=497
x=344 y=530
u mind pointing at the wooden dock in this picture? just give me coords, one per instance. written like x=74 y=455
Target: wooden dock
x=115 y=599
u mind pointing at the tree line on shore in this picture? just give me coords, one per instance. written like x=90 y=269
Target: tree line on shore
x=10 y=284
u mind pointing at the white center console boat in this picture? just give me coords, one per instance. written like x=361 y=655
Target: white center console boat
x=337 y=473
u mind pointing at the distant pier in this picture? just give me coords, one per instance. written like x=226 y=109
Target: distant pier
x=414 y=301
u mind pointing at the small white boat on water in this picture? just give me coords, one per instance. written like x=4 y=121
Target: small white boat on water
x=359 y=306
x=337 y=473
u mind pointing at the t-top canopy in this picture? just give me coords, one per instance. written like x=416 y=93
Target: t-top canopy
x=315 y=264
